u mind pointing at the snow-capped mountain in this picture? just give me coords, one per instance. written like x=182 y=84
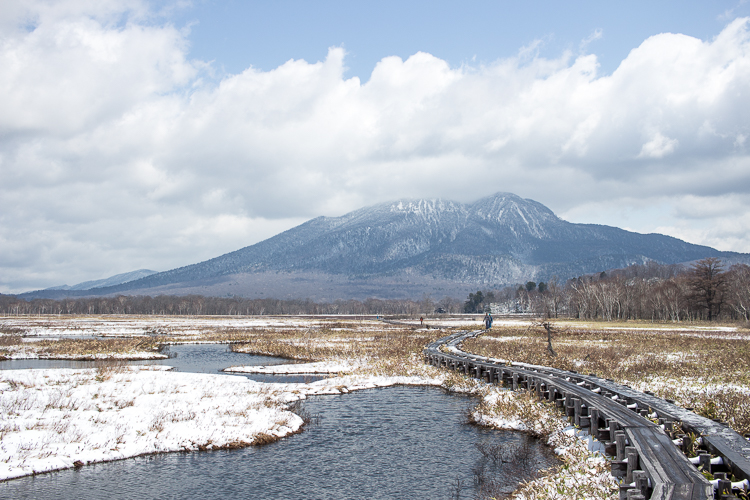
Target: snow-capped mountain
x=420 y=246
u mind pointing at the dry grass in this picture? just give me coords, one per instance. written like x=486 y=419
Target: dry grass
x=12 y=339
x=709 y=372
x=381 y=349
x=389 y=350
x=76 y=349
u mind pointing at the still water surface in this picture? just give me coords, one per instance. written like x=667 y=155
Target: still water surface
x=192 y=358
x=391 y=443
x=398 y=442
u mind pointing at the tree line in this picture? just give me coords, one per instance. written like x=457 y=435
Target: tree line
x=707 y=290
x=224 y=306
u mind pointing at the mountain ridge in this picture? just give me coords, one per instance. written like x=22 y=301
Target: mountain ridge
x=117 y=279
x=497 y=240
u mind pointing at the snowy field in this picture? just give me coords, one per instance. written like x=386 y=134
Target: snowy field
x=320 y=367
x=60 y=418
x=131 y=325
x=22 y=353
x=127 y=326
x=54 y=419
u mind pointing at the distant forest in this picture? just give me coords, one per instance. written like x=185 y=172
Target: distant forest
x=707 y=290
x=704 y=291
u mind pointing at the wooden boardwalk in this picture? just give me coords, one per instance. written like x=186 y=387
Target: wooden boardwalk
x=640 y=431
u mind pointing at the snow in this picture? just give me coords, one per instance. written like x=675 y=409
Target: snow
x=53 y=418
x=586 y=470
x=57 y=418
x=128 y=325
x=321 y=367
x=511 y=338
x=674 y=327
x=686 y=385
x=136 y=356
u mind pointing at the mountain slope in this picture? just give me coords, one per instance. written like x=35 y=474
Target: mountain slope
x=117 y=279
x=497 y=240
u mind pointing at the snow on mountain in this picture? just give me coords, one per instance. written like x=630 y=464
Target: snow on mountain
x=497 y=240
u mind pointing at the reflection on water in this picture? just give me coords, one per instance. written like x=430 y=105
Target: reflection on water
x=398 y=442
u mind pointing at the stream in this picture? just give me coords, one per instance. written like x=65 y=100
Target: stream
x=389 y=443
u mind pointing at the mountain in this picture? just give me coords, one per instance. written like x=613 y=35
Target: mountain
x=410 y=247
x=117 y=279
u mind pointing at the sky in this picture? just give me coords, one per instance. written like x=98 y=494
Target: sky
x=138 y=134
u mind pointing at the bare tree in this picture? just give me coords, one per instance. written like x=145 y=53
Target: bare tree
x=550 y=329
x=673 y=297
x=547 y=325
x=739 y=289
x=708 y=283
x=553 y=298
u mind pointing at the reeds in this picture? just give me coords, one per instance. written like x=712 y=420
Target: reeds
x=78 y=349
x=389 y=350
x=708 y=371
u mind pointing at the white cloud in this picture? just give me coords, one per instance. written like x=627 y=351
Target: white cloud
x=658 y=147
x=595 y=35
x=117 y=152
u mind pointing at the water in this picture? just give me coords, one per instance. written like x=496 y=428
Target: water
x=193 y=358
x=401 y=442
x=213 y=358
x=398 y=442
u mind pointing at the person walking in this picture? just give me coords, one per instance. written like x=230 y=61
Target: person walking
x=487 y=321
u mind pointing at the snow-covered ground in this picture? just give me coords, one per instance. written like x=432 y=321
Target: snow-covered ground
x=475 y=321
x=671 y=327
x=135 y=356
x=687 y=388
x=127 y=326
x=503 y=339
x=53 y=419
x=320 y=367
x=60 y=418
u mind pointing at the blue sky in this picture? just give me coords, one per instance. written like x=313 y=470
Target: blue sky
x=238 y=34
x=138 y=134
